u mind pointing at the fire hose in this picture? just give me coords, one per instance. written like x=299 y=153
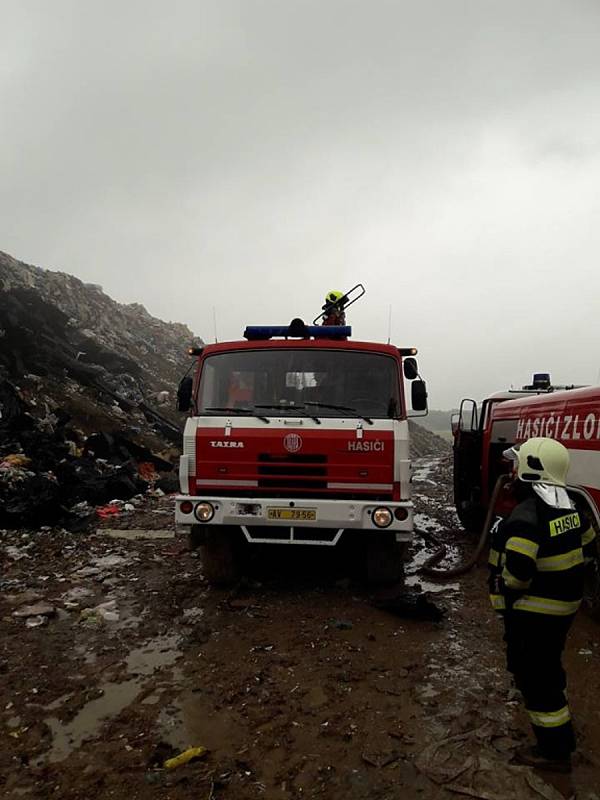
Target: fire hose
x=453 y=572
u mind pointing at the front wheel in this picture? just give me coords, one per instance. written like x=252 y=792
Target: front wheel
x=385 y=558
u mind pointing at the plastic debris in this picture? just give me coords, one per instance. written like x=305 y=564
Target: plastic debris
x=136 y=533
x=380 y=759
x=14 y=460
x=107 y=511
x=415 y=606
x=342 y=624
x=36 y=610
x=110 y=561
x=146 y=471
x=36 y=622
x=185 y=757
x=107 y=612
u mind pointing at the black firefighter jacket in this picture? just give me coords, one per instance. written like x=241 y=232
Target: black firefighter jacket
x=537 y=559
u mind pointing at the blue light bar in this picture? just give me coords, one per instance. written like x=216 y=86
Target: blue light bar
x=255 y=332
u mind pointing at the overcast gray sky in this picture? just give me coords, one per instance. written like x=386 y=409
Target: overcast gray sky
x=252 y=155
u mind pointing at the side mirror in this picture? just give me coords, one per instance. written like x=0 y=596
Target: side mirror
x=411 y=370
x=184 y=393
x=454 y=422
x=419 y=396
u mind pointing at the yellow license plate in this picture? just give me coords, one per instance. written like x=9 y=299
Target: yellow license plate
x=292 y=514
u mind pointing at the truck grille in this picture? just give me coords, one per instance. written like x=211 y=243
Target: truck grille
x=293 y=471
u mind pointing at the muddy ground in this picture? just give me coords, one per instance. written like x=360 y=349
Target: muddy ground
x=296 y=683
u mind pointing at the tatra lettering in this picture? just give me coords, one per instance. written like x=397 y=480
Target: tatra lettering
x=229 y=443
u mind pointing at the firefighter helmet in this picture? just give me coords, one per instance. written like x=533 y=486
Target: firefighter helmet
x=541 y=460
x=333 y=297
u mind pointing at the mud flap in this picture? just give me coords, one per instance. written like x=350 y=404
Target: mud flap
x=221 y=556
x=384 y=558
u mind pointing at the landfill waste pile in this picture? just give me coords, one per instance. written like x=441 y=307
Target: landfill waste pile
x=121 y=338
x=425 y=443
x=87 y=390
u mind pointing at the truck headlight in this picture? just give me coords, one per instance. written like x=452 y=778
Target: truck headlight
x=204 y=512
x=382 y=517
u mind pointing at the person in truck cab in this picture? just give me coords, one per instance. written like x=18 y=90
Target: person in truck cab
x=537 y=560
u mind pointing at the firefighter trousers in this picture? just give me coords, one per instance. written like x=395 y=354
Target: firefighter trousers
x=534 y=647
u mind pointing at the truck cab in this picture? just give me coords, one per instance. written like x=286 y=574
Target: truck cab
x=298 y=436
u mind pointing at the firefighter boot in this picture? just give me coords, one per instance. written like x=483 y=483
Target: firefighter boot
x=533 y=757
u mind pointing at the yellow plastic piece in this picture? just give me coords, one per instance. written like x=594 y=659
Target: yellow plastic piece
x=183 y=758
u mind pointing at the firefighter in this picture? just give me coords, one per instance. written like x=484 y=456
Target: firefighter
x=537 y=561
x=333 y=310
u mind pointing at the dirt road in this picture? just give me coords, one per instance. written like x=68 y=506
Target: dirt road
x=297 y=685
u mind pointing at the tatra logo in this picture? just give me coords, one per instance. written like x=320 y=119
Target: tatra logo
x=222 y=443
x=292 y=442
x=360 y=446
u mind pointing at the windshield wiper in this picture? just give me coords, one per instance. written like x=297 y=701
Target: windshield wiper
x=235 y=410
x=293 y=408
x=348 y=409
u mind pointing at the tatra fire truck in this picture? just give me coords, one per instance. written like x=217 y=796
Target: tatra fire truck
x=298 y=435
x=569 y=414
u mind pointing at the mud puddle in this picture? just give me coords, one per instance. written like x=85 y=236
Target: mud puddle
x=141 y=663
x=192 y=721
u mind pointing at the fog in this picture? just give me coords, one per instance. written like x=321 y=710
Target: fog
x=246 y=157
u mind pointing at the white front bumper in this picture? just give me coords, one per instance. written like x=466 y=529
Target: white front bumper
x=340 y=514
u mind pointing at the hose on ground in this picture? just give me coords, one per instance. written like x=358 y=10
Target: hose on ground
x=454 y=572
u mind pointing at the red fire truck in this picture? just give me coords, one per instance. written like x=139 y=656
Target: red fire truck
x=298 y=436
x=569 y=414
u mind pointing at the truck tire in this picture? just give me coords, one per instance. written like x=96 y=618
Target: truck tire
x=220 y=554
x=385 y=558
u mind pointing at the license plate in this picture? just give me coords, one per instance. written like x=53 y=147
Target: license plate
x=292 y=514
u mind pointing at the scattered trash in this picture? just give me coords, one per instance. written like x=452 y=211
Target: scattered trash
x=14 y=460
x=110 y=561
x=135 y=533
x=37 y=610
x=414 y=606
x=106 y=612
x=15 y=553
x=380 y=759
x=342 y=624
x=107 y=511
x=185 y=757
x=193 y=614
x=36 y=622
x=481 y=774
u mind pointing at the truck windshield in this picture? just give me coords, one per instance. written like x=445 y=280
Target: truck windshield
x=285 y=382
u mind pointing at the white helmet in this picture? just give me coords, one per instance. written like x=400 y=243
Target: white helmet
x=541 y=460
